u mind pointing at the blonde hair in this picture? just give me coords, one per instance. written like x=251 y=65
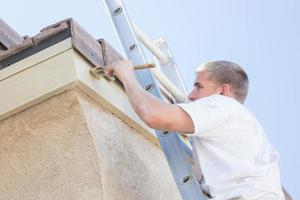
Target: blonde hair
x=225 y=72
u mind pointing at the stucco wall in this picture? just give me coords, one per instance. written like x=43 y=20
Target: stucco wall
x=70 y=147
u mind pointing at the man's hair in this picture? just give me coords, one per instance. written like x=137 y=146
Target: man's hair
x=225 y=72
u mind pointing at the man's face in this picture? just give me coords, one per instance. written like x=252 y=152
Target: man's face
x=203 y=87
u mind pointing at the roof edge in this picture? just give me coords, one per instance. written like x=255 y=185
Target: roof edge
x=97 y=52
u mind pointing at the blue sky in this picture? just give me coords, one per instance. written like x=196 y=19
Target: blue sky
x=260 y=35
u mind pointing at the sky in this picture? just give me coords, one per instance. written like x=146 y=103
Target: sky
x=260 y=35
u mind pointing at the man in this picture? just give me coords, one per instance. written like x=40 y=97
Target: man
x=233 y=158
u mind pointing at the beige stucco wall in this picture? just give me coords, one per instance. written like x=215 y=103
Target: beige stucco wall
x=70 y=147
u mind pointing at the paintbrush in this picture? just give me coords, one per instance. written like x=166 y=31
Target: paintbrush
x=97 y=72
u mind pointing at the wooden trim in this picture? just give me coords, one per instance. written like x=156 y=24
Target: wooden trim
x=36 y=59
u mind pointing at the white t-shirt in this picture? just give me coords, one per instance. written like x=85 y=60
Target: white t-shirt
x=231 y=150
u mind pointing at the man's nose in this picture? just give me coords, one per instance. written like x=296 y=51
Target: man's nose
x=191 y=97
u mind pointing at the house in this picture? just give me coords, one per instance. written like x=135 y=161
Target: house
x=65 y=134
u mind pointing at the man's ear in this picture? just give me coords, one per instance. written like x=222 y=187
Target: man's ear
x=225 y=90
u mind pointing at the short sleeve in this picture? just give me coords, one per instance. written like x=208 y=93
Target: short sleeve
x=206 y=113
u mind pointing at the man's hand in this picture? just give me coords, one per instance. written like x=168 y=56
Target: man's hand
x=122 y=69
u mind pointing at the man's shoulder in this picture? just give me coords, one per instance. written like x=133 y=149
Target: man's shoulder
x=217 y=103
x=228 y=104
x=219 y=100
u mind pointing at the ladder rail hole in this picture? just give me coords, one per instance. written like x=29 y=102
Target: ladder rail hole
x=149 y=87
x=117 y=11
x=186 y=179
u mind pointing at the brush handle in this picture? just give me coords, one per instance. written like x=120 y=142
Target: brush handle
x=97 y=72
x=144 y=66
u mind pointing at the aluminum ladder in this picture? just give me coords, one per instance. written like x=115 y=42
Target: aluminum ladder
x=175 y=150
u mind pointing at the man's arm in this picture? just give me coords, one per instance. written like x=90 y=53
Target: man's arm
x=154 y=112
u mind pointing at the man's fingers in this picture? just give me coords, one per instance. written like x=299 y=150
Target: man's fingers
x=108 y=71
